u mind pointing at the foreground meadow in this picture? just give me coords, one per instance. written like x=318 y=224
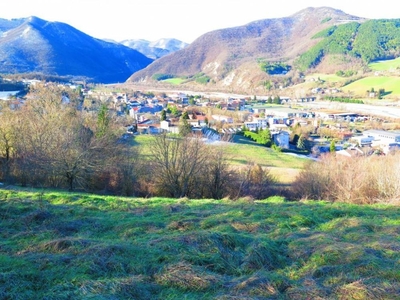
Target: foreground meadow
x=79 y=246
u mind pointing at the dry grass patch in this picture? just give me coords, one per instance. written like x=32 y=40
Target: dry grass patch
x=64 y=245
x=187 y=277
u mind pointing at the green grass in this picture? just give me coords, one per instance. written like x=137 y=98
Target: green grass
x=80 y=246
x=385 y=65
x=175 y=81
x=387 y=81
x=391 y=85
x=243 y=151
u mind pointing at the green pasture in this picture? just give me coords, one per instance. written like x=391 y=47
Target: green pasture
x=385 y=65
x=241 y=152
x=175 y=81
x=81 y=246
x=391 y=85
x=244 y=151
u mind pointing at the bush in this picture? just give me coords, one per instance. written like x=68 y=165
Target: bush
x=359 y=180
x=160 y=77
x=252 y=181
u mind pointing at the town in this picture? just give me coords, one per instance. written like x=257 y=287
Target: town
x=220 y=115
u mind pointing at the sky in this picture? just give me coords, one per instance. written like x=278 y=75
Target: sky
x=184 y=20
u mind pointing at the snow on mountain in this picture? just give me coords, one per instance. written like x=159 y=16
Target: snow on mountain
x=155 y=49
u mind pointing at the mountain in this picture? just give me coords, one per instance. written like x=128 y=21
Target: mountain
x=155 y=49
x=237 y=58
x=6 y=25
x=33 y=45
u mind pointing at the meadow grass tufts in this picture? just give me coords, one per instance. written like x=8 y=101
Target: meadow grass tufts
x=81 y=246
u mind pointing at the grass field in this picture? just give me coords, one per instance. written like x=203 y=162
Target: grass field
x=385 y=65
x=80 y=246
x=387 y=80
x=391 y=85
x=243 y=151
x=175 y=81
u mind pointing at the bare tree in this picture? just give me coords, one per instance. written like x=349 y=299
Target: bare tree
x=254 y=181
x=58 y=144
x=177 y=164
x=216 y=175
x=7 y=139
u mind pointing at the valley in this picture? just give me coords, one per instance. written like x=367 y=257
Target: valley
x=259 y=162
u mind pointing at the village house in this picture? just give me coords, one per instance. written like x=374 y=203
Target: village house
x=281 y=138
x=222 y=118
x=383 y=139
x=356 y=151
x=168 y=126
x=256 y=124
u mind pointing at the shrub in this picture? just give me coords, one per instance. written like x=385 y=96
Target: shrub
x=253 y=181
x=359 y=180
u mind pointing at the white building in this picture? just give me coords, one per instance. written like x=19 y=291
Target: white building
x=386 y=140
x=222 y=118
x=383 y=136
x=257 y=123
x=281 y=138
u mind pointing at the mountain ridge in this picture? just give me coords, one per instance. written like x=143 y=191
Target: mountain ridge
x=155 y=49
x=230 y=57
x=35 y=45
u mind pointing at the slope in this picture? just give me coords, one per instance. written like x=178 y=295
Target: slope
x=58 y=49
x=231 y=57
x=79 y=246
x=155 y=49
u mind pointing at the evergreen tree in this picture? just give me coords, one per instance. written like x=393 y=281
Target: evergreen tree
x=163 y=115
x=185 y=115
x=301 y=143
x=185 y=128
x=332 y=147
x=103 y=121
x=277 y=100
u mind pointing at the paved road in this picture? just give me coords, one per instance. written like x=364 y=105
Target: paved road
x=386 y=111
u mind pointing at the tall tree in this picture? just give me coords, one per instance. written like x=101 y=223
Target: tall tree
x=185 y=115
x=332 y=146
x=7 y=140
x=301 y=142
x=163 y=115
x=59 y=145
x=177 y=163
x=277 y=100
x=103 y=120
x=185 y=128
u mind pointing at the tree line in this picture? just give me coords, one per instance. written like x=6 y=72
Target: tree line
x=51 y=142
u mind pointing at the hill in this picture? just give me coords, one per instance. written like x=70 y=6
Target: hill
x=33 y=45
x=70 y=245
x=155 y=49
x=236 y=58
x=272 y=54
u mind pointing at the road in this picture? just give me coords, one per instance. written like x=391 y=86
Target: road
x=387 y=110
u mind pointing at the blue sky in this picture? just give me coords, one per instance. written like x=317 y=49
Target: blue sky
x=182 y=19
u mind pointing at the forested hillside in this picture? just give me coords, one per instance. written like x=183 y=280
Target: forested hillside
x=369 y=41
